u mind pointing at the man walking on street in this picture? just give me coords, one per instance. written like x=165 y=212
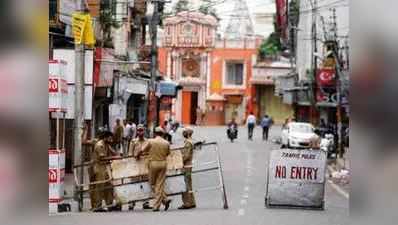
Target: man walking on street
x=118 y=130
x=188 y=198
x=266 y=123
x=251 y=123
x=139 y=149
x=158 y=153
x=128 y=135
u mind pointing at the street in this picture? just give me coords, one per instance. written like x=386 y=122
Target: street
x=244 y=167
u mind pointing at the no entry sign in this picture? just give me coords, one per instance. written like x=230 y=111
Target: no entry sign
x=296 y=178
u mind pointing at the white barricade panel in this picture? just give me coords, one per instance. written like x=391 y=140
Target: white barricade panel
x=296 y=178
x=142 y=190
x=131 y=168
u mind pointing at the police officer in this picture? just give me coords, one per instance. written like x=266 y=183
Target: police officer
x=102 y=191
x=188 y=198
x=139 y=148
x=158 y=153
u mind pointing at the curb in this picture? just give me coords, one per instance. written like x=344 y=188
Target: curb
x=336 y=187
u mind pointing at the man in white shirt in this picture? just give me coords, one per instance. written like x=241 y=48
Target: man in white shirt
x=128 y=134
x=251 y=123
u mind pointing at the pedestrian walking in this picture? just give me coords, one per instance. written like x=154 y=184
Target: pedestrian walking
x=128 y=135
x=188 y=199
x=102 y=191
x=139 y=149
x=118 y=130
x=266 y=123
x=166 y=126
x=158 y=153
x=251 y=123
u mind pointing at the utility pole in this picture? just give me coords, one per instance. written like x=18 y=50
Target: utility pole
x=314 y=46
x=338 y=87
x=155 y=21
x=79 y=108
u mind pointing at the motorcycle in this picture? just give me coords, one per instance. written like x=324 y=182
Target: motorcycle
x=328 y=145
x=232 y=133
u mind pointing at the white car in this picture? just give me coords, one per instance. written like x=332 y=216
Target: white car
x=298 y=135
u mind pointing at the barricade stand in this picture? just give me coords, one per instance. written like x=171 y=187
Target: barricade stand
x=56 y=164
x=57 y=92
x=214 y=166
x=130 y=181
x=296 y=179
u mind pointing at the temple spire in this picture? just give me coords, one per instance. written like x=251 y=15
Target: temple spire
x=240 y=24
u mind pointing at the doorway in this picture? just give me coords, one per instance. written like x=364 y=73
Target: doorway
x=189 y=107
x=135 y=108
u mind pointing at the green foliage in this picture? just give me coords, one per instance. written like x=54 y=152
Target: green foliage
x=181 y=5
x=207 y=8
x=294 y=12
x=271 y=46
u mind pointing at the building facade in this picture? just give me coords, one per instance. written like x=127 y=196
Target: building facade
x=185 y=57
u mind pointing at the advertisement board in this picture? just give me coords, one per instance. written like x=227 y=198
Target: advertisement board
x=57 y=87
x=69 y=55
x=56 y=175
x=296 y=178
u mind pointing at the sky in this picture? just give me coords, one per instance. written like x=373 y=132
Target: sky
x=225 y=9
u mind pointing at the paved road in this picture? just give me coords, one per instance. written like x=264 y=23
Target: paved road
x=244 y=164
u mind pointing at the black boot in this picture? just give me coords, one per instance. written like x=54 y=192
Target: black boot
x=167 y=204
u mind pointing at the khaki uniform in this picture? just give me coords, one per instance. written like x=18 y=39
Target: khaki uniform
x=139 y=148
x=188 y=198
x=99 y=173
x=158 y=153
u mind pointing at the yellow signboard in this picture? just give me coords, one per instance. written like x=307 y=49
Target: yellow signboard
x=216 y=85
x=83 y=29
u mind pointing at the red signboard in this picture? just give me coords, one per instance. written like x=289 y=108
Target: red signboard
x=52 y=176
x=281 y=17
x=325 y=97
x=326 y=77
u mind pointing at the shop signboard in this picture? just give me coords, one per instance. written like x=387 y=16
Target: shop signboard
x=57 y=87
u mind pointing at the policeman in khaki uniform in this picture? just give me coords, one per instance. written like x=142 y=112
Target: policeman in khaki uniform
x=159 y=150
x=102 y=150
x=188 y=198
x=139 y=149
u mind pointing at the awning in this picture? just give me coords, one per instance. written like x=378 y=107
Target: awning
x=262 y=80
x=168 y=88
x=326 y=104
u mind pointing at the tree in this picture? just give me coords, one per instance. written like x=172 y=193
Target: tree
x=271 y=46
x=207 y=8
x=181 y=5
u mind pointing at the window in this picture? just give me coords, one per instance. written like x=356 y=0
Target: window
x=234 y=74
x=53 y=6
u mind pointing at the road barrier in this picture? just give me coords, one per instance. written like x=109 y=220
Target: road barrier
x=129 y=177
x=296 y=178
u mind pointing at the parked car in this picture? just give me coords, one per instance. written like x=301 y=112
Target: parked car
x=298 y=135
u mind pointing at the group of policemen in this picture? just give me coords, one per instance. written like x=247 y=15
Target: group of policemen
x=154 y=152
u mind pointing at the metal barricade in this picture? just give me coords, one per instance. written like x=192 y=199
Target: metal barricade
x=207 y=159
x=131 y=189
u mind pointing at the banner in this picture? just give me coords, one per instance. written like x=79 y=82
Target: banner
x=82 y=28
x=281 y=17
x=326 y=77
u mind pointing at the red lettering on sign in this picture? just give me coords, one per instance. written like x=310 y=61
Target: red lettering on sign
x=304 y=173
x=52 y=176
x=53 y=85
x=280 y=172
